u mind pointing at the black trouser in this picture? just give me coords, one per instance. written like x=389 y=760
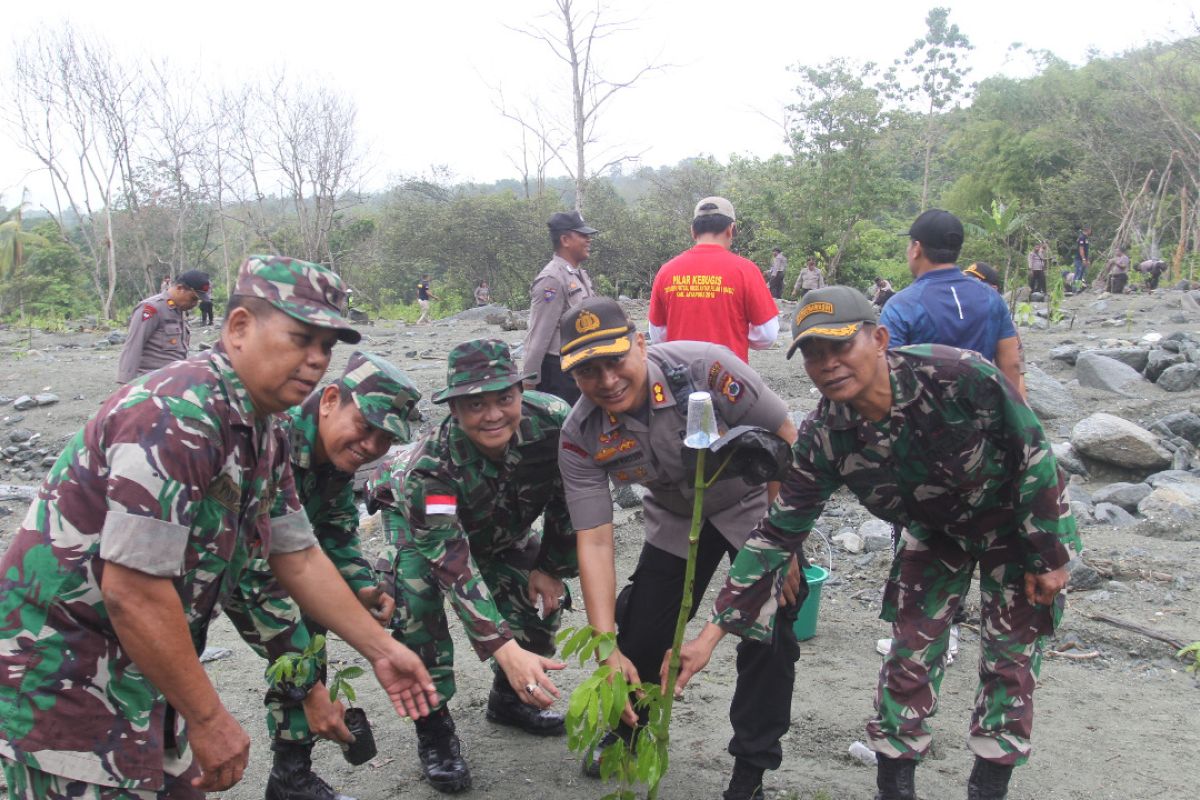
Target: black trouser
x=647 y=609
x=775 y=285
x=206 y=315
x=1116 y=283
x=1037 y=280
x=552 y=380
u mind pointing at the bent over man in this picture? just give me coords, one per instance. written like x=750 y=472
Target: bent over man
x=935 y=439
x=136 y=541
x=334 y=432
x=628 y=428
x=459 y=510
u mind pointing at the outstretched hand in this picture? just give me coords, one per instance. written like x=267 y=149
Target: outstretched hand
x=406 y=681
x=526 y=673
x=693 y=657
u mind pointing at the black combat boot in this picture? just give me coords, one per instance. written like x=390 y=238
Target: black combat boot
x=440 y=753
x=989 y=780
x=292 y=777
x=745 y=783
x=895 y=778
x=505 y=708
x=591 y=759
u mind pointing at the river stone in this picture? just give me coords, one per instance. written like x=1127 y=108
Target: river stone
x=1160 y=360
x=1189 y=303
x=1113 y=515
x=1178 y=480
x=24 y=403
x=19 y=435
x=1106 y=374
x=1169 y=513
x=1081 y=511
x=1179 y=378
x=1135 y=357
x=45 y=399
x=1048 y=398
x=1081 y=576
x=849 y=541
x=1125 y=495
x=1065 y=352
x=1068 y=459
x=116 y=337
x=1119 y=442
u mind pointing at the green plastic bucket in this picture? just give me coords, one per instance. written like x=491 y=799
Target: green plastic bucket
x=806 y=619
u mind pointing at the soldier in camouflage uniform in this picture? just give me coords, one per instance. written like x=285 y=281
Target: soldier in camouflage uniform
x=460 y=510
x=935 y=439
x=333 y=433
x=136 y=541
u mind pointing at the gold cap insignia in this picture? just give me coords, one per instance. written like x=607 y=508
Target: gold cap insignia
x=587 y=322
x=814 y=308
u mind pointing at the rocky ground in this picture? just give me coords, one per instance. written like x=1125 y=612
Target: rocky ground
x=1116 y=714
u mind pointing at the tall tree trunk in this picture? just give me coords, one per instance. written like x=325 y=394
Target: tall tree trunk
x=1177 y=261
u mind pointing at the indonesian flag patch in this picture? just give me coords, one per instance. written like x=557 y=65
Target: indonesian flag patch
x=436 y=504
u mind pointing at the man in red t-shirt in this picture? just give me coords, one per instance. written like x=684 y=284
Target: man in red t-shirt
x=708 y=294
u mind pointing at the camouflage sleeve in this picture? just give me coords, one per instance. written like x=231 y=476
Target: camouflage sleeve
x=290 y=529
x=436 y=535
x=265 y=616
x=1041 y=507
x=557 y=556
x=747 y=603
x=337 y=532
x=162 y=455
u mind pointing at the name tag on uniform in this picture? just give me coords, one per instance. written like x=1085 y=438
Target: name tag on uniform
x=226 y=493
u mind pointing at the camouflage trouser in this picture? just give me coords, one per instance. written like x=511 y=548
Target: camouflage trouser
x=285 y=718
x=421 y=623
x=27 y=783
x=927 y=583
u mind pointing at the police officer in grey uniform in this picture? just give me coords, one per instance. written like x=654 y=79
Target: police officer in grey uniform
x=561 y=285
x=628 y=428
x=158 y=329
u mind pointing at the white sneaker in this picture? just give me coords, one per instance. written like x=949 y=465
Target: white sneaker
x=883 y=647
x=952 y=647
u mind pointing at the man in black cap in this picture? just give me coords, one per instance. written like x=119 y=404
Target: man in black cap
x=627 y=429
x=561 y=285
x=158 y=329
x=943 y=306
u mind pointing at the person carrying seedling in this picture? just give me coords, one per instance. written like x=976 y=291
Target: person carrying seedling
x=628 y=428
x=136 y=541
x=335 y=431
x=460 y=509
x=935 y=439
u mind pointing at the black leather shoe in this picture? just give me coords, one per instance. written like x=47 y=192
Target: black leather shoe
x=989 y=780
x=292 y=777
x=745 y=783
x=591 y=760
x=505 y=708
x=895 y=778
x=440 y=753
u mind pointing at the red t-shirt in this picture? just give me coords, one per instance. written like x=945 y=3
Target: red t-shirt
x=708 y=294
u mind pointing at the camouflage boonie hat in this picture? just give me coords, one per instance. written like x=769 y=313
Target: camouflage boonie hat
x=384 y=394
x=303 y=290
x=478 y=366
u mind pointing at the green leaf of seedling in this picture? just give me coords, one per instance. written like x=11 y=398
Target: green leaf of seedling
x=576 y=642
x=350 y=673
x=606 y=645
x=348 y=692
x=563 y=635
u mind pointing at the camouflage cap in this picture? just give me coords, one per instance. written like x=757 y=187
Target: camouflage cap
x=384 y=394
x=835 y=312
x=303 y=290
x=477 y=366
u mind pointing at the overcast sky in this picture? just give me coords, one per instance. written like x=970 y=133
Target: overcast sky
x=422 y=73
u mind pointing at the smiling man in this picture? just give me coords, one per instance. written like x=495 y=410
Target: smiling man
x=334 y=432
x=935 y=439
x=460 y=509
x=135 y=543
x=628 y=429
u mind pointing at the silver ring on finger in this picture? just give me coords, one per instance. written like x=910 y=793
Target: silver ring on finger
x=531 y=687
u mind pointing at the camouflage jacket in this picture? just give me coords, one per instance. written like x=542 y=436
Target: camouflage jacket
x=456 y=507
x=960 y=456
x=173 y=477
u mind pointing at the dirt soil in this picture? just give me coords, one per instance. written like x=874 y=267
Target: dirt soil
x=1122 y=724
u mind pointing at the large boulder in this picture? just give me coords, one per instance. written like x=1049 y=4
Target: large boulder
x=1048 y=398
x=1119 y=442
x=1125 y=495
x=1065 y=352
x=1107 y=374
x=1068 y=459
x=1179 y=480
x=1113 y=515
x=1179 y=378
x=1135 y=357
x=1170 y=513
x=1159 y=360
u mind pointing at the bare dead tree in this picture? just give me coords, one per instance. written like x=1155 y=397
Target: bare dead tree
x=573 y=37
x=75 y=109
